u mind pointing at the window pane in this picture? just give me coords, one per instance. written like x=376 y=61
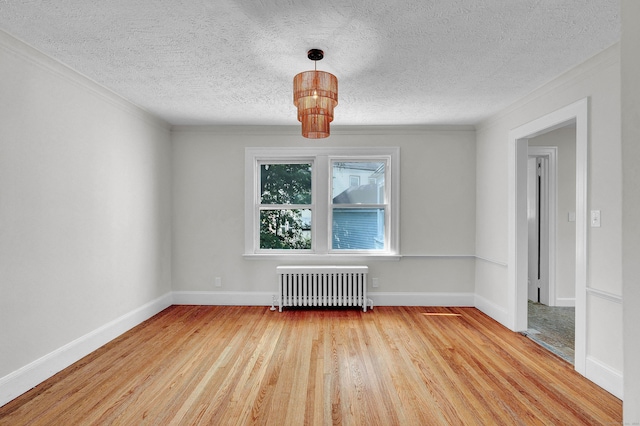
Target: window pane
x=285 y=184
x=358 y=182
x=285 y=229
x=358 y=229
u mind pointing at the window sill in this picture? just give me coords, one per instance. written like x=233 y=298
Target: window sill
x=318 y=257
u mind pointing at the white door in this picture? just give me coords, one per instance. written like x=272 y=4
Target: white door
x=538 y=229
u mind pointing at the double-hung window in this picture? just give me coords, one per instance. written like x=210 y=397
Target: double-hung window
x=321 y=201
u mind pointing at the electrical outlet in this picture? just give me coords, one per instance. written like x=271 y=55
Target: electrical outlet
x=595 y=218
x=375 y=282
x=217 y=282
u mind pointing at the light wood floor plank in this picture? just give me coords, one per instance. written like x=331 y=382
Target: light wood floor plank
x=227 y=365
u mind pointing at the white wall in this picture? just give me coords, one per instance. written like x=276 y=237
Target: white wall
x=599 y=80
x=437 y=210
x=630 y=61
x=565 y=140
x=84 y=208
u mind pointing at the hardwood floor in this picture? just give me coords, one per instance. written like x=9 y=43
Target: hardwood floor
x=223 y=365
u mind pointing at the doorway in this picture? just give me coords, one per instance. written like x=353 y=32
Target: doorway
x=517 y=269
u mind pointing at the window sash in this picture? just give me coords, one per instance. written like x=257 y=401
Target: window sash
x=299 y=236
x=363 y=235
x=262 y=163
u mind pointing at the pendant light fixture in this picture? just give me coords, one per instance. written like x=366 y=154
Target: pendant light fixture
x=315 y=94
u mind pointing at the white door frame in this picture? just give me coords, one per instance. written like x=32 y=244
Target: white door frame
x=577 y=113
x=551 y=154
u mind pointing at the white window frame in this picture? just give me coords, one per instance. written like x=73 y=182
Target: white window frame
x=321 y=160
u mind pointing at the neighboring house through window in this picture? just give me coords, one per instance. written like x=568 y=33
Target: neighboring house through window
x=311 y=201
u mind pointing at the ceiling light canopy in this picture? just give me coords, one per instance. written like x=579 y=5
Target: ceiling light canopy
x=315 y=94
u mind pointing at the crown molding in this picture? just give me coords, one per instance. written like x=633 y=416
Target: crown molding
x=604 y=59
x=256 y=130
x=22 y=50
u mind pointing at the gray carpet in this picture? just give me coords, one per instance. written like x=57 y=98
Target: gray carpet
x=554 y=328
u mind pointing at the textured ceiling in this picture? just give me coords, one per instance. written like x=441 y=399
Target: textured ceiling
x=397 y=62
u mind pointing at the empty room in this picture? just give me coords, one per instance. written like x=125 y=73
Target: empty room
x=295 y=212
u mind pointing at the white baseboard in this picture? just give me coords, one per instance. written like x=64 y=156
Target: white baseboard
x=420 y=299
x=266 y=298
x=604 y=376
x=496 y=312
x=566 y=301
x=27 y=377
x=232 y=298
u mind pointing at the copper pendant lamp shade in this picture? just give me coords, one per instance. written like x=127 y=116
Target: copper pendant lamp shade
x=315 y=94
